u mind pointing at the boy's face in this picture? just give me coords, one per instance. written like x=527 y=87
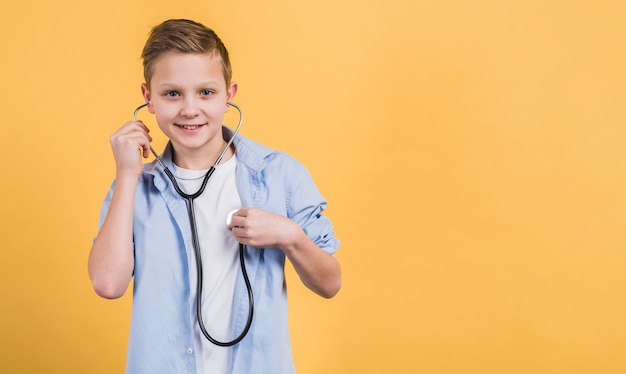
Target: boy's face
x=189 y=95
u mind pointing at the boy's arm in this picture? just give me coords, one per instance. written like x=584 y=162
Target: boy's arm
x=318 y=270
x=111 y=261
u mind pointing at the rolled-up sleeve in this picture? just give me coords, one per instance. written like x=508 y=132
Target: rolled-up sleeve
x=305 y=206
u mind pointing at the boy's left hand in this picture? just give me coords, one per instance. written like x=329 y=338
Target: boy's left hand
x=262 y=229
x=317 y=269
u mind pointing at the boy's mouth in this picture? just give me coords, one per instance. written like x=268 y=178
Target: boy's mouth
x=189 y=127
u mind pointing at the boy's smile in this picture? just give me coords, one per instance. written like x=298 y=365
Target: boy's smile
x=190 y=127
x=189 y=98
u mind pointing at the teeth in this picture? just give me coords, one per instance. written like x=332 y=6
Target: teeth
x=190 y=127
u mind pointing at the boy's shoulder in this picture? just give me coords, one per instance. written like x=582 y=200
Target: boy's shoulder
x=255 y=153
x=259 y=157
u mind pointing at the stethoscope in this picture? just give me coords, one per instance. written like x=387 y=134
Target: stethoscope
x=189 y=198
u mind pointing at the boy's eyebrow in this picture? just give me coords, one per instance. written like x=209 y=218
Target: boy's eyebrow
x=174 y=84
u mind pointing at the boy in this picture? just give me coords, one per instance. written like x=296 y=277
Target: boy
x=145 y=228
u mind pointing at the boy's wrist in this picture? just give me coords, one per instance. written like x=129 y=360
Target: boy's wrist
x=293 y=238
x=122 y=178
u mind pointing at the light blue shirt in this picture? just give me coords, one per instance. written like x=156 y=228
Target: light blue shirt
x=162 y=327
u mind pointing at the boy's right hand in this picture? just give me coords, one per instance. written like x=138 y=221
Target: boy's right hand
x=129 y=144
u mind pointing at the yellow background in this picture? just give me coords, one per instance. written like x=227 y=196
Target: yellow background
x=471 y=151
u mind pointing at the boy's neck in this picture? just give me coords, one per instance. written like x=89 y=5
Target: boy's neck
x=198 y=160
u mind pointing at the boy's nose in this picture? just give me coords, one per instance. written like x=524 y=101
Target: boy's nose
x=189 y=108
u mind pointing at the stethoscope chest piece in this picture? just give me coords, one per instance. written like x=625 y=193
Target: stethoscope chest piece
x=229 y=218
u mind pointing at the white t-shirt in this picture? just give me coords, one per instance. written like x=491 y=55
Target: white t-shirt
x=220 y=259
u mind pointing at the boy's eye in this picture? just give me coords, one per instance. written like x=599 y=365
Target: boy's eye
x=171 y=93
x=206 y=92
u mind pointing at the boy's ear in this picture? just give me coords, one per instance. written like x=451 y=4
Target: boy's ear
x=232 y=91
x=145 y=92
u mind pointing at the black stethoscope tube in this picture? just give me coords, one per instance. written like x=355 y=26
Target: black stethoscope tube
x=196 y=245
x=189 y=198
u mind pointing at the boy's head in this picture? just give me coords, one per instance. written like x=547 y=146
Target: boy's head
x=183 y=36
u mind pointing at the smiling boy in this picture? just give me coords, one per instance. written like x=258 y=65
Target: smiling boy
x=145 y=233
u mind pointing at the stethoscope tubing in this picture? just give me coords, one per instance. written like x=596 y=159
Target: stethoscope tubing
x=189 y=199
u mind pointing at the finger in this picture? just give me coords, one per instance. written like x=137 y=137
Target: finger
x=132 y=129
x=134 y=126
x=146 y=150
x=243 y=212
x=143 y=126
x=129 y=130
x=143 y=144
x=238 y=221
x=240 y=233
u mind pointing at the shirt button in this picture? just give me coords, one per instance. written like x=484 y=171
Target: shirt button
x=189 y=351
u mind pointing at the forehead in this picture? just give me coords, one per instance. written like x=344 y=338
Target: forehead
x=187 y=68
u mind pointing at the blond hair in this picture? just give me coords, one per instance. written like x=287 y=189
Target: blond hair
x=185 y=36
